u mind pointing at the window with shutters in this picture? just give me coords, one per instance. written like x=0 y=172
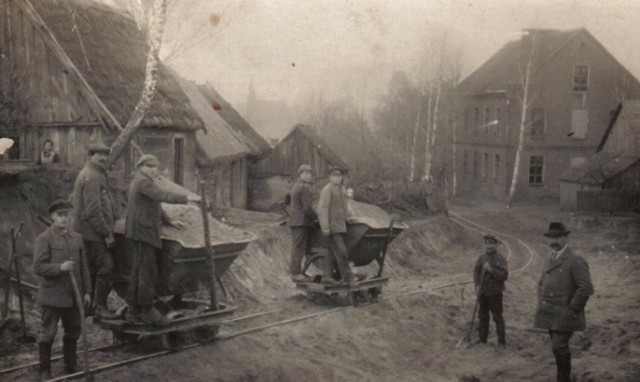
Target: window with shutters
x=496 y=169
x=536 y=166
x=476 y=120
x=487 y=120
x=485 y=167
x=580 y=78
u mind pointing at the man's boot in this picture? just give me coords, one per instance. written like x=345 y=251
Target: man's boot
x=44 y=353
x=151 y=315
x=102 y=291
x=500 y=330
x=563 y=364
x=69 y=355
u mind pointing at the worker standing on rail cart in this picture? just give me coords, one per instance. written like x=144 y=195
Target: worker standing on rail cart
x=143 y=244
x=563 y=291
x=332 y=214
x=301 y=217
x=489 y=276
x=94 y=219
x=59 y=251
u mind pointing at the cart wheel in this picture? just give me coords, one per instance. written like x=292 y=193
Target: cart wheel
x=122 y=338
x=204 y=333
x=172 y=340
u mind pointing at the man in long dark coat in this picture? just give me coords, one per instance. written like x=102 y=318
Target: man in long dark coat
x=94 y=219
x=142 y=230
x=301 y=217
x=59 y=252
x=563 y=291
x=489 y=276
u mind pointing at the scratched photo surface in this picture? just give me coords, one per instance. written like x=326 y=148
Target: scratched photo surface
x=343 y=190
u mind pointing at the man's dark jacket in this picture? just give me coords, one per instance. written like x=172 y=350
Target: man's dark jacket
x=53 y=248
x=301 y=212
x=493 y=281
x=93 y=215
x=563 y=291
x=144 y=215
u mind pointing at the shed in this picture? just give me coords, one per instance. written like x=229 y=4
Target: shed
x=272 y=176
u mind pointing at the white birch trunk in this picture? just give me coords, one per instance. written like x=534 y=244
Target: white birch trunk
x=454 y=182
x=427 y=150
x=155 y=32
x=432 y=138
x=412 y=171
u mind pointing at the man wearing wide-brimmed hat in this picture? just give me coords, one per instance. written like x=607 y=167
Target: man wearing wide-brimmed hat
x=94 y=219
x=58 y=252
x=142 y=230
x=489 y=276
x=301 y=217
x=332 y=214
x=563 y=291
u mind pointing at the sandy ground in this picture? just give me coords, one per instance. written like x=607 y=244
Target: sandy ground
x=413 y=337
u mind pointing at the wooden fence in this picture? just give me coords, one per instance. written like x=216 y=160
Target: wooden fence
x=608 y=201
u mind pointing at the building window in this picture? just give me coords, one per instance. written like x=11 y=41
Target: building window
x=465 y=163
x=178 y=160
x=487 y=120
x=476 y=117
x=496 y=169
x=466 y=120
x=580 y=78
x=536 y=165
x=485 y=167
x=498 y=120
x=475 y=165
x=537 y=121
x=578 y=124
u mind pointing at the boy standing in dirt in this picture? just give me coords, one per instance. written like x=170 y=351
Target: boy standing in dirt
x=332 y=214
x=301 y=217
x=563 y=291
x=58 y=256
x=93 y=219
x=142 y=230
x=489 y=276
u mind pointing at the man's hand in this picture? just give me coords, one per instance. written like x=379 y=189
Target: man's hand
x=67 y=266
x=326 y=232
x=87 y=300
x=487 y=267
x=110 y=241
x=193 y=198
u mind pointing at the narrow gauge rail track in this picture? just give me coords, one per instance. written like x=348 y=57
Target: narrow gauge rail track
x=461 y=279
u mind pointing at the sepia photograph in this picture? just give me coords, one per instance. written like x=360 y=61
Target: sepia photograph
x=320 y=190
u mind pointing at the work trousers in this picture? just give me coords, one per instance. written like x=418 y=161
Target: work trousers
x=490 y=303
x=100 y=263
x=337 y=255
x=144 y=279
x=299 y=244
x=70 y=322
x=560 y=348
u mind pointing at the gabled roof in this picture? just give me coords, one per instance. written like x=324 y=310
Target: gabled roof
x=601 y=167
x=110 y=52
x=216 y=143
x=259 y=147
x=503 y=68
x=318 y=142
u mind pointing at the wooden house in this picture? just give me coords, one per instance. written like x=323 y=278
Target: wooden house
x=73 y=72
x=572 y=93
x=273 y=175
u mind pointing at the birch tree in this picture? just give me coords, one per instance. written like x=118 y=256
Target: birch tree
x=525 y=104
x=150 y=18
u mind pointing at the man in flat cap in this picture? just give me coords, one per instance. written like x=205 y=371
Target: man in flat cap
x=59 y=252
x=142 y=230
x=489 y=275
x=301 y=217
x=563 y=291
x=94 y=219
x=332 y=214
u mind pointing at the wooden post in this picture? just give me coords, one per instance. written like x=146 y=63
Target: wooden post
x=207 y=243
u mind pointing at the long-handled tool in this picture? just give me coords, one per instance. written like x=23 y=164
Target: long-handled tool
x=85 y=346
x=467 y=336
x=207 y=243
x=14 y=237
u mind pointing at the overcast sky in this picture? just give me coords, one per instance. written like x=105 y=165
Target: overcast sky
x=289 y=46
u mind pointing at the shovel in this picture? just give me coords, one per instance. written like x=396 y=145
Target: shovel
x=85 y=346
x=467 y=336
